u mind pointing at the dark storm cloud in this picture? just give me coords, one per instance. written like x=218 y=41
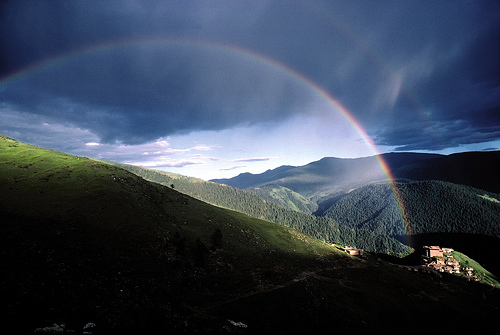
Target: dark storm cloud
x=34 y=30
x=140 y=91
x=417 y=75
x=426 y=135
x=408 y=65
x=459 y=104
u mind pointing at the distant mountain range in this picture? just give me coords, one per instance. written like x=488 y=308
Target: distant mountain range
x=330 y=176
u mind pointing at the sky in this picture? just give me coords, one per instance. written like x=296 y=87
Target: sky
x=212 y=89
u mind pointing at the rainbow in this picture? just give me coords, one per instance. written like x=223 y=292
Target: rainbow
x=366 y=138
x=241 y=52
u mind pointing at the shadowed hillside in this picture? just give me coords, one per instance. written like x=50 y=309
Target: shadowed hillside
x=87 y=243
x=475 y=169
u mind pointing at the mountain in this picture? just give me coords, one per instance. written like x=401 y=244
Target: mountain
x=324 y=177
x=93 y=248
x=475 y=169
x=331 y=176
x=246 y=179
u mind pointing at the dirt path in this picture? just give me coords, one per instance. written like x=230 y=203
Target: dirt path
x=301 y=277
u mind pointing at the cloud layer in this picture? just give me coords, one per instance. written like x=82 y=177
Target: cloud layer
x=416 y=75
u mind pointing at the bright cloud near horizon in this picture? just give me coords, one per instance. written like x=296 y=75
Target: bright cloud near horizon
x=213 y=89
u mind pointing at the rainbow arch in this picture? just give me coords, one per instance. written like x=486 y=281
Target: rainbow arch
x=241 y=52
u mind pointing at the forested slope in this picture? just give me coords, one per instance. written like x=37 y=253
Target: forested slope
x=439 y=213
x=285 y=197
x=431 y=207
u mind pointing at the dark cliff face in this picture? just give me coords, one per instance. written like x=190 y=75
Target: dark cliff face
x=476 y=169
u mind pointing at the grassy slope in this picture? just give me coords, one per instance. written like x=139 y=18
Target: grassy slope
x=87 y=242
x=53 y=203
x=484 y=274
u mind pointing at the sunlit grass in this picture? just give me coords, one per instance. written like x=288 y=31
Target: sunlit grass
x=486 y=276
x=485 y=196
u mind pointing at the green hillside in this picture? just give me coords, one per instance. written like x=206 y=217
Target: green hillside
x=485 y=275
x=88 y=243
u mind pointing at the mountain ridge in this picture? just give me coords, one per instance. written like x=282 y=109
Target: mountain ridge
x=477 y=169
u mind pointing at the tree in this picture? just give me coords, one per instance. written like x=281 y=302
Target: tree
x=216 y=239
x=199 y=253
